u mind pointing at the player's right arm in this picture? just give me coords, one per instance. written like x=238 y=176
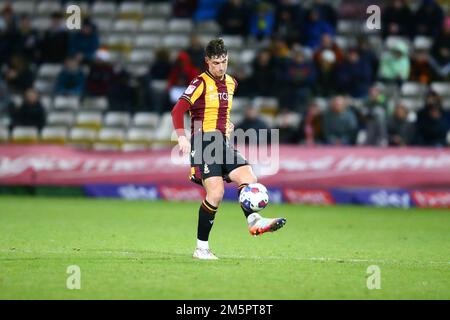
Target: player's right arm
x=190 y=95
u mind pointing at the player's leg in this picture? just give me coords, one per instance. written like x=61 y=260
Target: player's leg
x=214 y=193
x=257 y=225
x=243 y=176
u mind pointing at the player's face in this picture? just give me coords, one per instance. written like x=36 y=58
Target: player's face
x=217 y=66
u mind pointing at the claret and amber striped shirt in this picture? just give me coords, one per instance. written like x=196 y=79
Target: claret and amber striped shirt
x=210 y=101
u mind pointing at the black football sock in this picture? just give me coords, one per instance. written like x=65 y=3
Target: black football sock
x=206 y=215
x=242 y=186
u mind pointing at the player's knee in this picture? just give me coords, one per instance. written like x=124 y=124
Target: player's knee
x=215 y=196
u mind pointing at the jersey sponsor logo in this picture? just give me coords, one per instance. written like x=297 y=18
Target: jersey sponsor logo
x=190 y=89
x=220 y=96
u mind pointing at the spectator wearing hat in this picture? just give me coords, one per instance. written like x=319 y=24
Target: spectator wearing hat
x=326 y=74
x=395 y=64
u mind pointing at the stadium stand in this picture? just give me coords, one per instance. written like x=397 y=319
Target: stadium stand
x=131 y=33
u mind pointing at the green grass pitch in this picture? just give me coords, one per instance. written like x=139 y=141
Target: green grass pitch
x=142 y=250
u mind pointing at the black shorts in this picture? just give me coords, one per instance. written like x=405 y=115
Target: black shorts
x=213 y=156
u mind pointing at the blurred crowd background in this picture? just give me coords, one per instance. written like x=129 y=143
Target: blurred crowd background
x=309 y=68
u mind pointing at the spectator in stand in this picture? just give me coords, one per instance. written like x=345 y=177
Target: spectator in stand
x=5 y=99
x=431 y=125
x=288 y=133
x=441 y=50
x=18 y=74
x=160 y=68
x=101 y=75
x=314 y=28
x=373 y=118
x=196 y=52
x=262 y=21
x=311 y=128
x=181 y=74
x=252 y=120
x=123 y=95
x=288 y=17
x=54 y=44
x=397 y=19
x=327 y=43
x=354 y=75
x=327 y=12
x=339 y=123
x=421 y=68
x=84 y=43
x=395 y=63
x=183 y=8
x=26 y=41
x=369 y=56
x=428 y=19
x=300 y=79
x=263 y=75
x=71 y=79
x=326 y=74
x=233 y=18
x=30 y=113
x=400 y=130
x=207 y=10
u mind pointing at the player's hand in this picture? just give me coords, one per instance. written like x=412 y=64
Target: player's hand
x=184 y=144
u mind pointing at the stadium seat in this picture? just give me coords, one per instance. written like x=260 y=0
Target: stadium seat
x=413 y=89
x=54 y=135
x=47 y=101
x=44 y=86
x=49 y=71
x=165 y=129
x=266 y=104
x=104 y=25
x=137 y=70
x=82 y=137
x=146 y=119
x=348 y=27
x=144 y=56
x=117 y=119
x=4 y=135
x=441 y=88
x=41 y=24
x=158 y=9
x=100 y=8
x=422 y=43
x=45 y=7
x=134 y=146
x=247 y=56
x=153 y=26
x=66 y=103
x=89 y=119
x=22 y=7
x=180 y=26
x=233 y=42
x=175 y=41
x=95 y=103
x=446 y=104
x=24 y=135
x=125 y=26
x=210 y=27
x=60 y=118
x=139 y=135
x=128 y=7
x=291 y=120
x=147 y=41
x=412 y=104
x=109 y=139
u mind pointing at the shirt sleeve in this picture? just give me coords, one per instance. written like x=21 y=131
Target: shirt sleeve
x=193 y=91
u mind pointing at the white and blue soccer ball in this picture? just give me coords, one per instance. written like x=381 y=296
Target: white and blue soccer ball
x=254 y=197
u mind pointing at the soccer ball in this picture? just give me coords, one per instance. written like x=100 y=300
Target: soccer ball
x=254 y=197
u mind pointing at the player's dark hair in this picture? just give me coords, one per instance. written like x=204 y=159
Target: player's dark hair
x=216 y=48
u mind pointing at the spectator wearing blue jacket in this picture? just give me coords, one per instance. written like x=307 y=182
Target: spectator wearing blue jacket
x=262 y=21
x=71 y=79
x=314 y=28
x=354 y=75
x=84 y=44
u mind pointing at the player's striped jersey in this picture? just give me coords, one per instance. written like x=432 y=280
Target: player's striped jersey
x=210 y=101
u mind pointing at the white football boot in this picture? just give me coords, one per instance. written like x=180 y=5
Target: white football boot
x=204 y=254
